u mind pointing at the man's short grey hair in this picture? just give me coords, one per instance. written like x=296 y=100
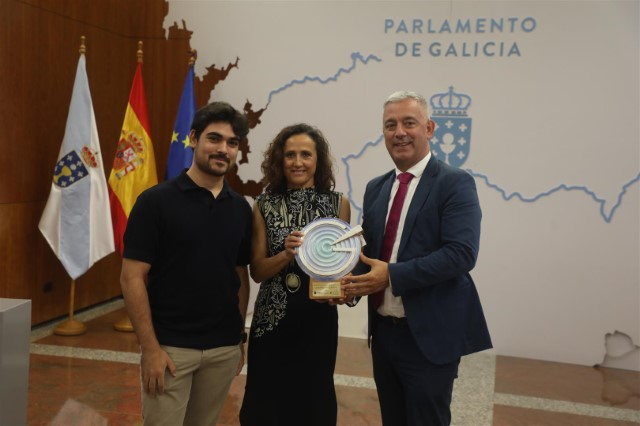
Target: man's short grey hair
x=402 y=95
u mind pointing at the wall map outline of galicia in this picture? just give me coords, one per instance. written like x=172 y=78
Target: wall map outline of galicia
x=440 y=145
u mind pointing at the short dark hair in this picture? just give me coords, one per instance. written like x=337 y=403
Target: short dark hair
x=272 y=166
x=217 y=112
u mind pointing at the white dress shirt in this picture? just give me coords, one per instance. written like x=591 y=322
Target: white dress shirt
x=392 y=305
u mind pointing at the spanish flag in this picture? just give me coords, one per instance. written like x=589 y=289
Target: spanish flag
x=134 y=166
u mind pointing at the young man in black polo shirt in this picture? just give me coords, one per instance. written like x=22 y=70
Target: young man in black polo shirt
x=184 y=277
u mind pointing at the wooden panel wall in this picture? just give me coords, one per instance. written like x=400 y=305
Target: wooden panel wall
x=39 y=42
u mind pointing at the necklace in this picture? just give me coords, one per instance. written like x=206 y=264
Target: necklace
x=293 y=282
x=306 y=213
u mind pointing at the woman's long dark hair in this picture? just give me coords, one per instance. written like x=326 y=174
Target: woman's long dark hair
x=272 y=165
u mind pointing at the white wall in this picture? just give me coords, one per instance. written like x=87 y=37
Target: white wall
x=554 y=142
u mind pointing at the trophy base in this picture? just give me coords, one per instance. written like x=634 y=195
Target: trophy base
x=325 y=289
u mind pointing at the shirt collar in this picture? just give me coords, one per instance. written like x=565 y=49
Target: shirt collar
x=185 y=183
x=417 y=169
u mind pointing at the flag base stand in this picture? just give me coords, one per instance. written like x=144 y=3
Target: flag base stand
x=70 y=327
x=123 y=324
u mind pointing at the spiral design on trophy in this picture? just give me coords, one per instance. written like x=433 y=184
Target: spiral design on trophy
x=323 y=259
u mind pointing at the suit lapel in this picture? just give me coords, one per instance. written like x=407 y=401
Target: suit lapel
x=380 y=211
x=419 y=198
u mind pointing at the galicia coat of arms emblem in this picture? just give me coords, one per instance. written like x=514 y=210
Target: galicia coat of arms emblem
x=451 y=140
x=72 y=167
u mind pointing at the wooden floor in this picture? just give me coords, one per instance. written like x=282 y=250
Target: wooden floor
x=93 y=380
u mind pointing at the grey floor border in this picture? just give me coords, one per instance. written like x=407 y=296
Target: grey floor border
x=473 y=390
x=84 y=353
x=600 y=411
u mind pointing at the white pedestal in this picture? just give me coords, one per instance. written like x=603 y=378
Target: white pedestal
x=15 y=335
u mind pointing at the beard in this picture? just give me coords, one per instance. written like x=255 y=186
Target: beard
x=214 y=169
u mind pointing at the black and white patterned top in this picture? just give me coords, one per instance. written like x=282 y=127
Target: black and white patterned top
x=283 y=214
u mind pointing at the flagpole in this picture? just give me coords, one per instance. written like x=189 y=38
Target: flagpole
x=71 y=327
x=124 y=323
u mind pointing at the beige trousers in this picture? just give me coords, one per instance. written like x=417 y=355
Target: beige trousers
x=196 y=394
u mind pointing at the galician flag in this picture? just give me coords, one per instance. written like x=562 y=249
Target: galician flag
x=134 y=166
x=76 y=221
x=180 y=153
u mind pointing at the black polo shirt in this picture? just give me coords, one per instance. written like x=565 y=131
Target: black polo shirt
x=193 y=242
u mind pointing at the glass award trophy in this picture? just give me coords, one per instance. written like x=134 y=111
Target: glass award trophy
x=329 y=251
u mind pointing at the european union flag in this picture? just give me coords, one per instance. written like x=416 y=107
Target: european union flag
x=180 y=153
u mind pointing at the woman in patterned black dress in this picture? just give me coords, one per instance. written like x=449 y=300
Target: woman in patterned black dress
x=293 y=339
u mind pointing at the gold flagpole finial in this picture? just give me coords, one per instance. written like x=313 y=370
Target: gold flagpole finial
x=83 y=47
x=193 y=55
x=140 y=52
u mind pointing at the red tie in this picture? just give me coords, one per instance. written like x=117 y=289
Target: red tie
x=392 y=227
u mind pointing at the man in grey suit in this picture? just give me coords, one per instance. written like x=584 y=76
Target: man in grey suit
x=421 y=223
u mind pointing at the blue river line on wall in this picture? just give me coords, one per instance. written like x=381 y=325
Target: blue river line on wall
x=506 y=195
x=355 y=58
x=450 y=111
x=607 y=216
